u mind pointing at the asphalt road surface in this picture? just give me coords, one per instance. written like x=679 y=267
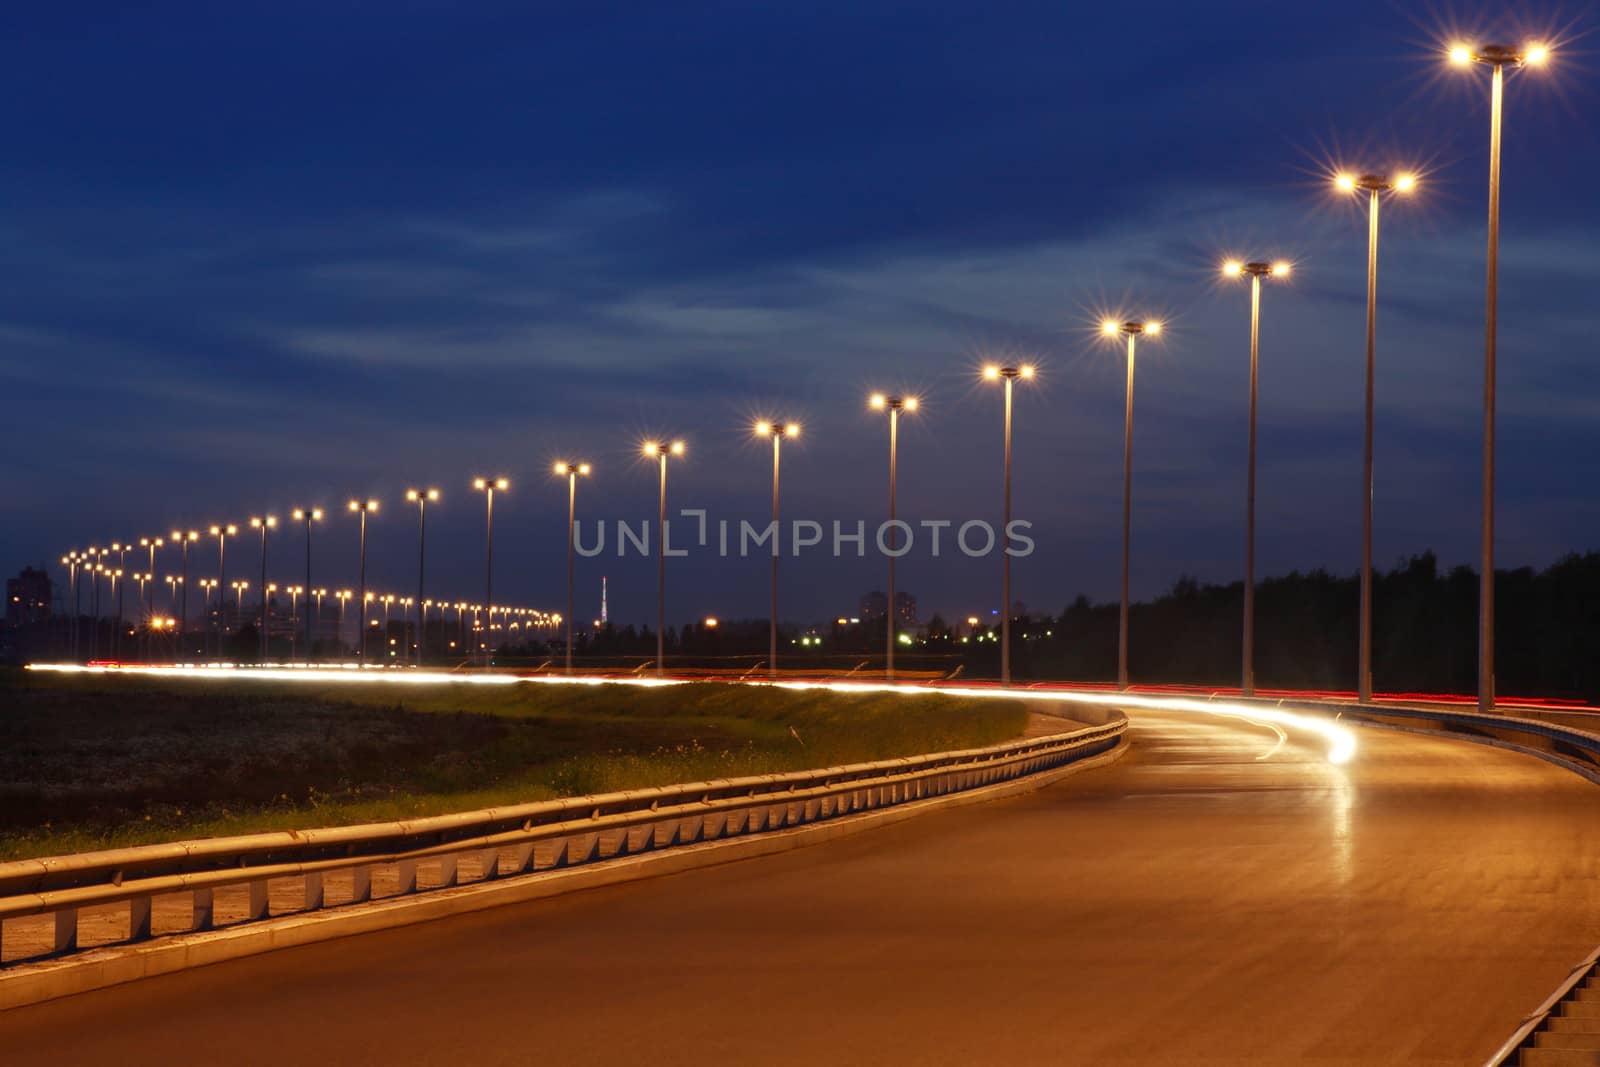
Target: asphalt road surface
x=1219 y=896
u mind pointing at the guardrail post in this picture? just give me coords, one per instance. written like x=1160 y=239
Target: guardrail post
x=447 y=870
x=489 y=864
x=360 y=884
x=313 y=891
x=139 y=918
x=406 y=873
x=259 y=906
x=66 y=934
x=201 y=915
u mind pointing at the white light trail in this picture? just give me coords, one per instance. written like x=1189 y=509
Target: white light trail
x=1340 y=739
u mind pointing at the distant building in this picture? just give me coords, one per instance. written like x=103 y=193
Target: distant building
x=875 y=605
x=28 y=597
x=905 y=607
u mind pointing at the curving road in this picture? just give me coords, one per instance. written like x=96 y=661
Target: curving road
x=1221 y=895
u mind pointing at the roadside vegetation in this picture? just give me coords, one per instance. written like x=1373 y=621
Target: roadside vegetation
x=99 y=761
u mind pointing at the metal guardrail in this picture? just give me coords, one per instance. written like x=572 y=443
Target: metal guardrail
x=1576 y=750
x=499 y=842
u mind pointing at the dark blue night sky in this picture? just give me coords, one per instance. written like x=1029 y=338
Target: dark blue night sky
x=260 y=255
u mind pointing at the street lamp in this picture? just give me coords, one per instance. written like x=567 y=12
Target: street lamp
x=388 y=599
x=571 y=470
x=72 y=562
x=422 y=498
x=1255 y=271
x=319 y=593
x=776 y=431
x=1374 y=185
x=222 y=533
x=151 y=543
x=238 y=597
x=307 y=516
x=894 y=405
x=206 y=585
x=343 y=597
x=655 y=450
x=116 y=597
x=1009 y=376
x=182 y=538
x=294 y=592
x=487 y=487
x=145 y=580
x=1131 y=330
x=1496 y=57
x=173 y=581
x=270 y=522
x=362 y=509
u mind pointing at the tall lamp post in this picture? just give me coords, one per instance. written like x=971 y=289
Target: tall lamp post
x=95 y=569
x=343 y=597
x=660 y=452
x=1497 y=58
x=571 y=470
x=487 y=487
x=116 y=597
x=1255 y=271
x=362 y=509
x=421 y=498
x=147 y=584
x=206 y=585
x=776 y=431
x=181 y=538
x=151 y=543
x=307 y=516
x=1131 y=330
x=269 y=522
x=70 y=561
x=1008 y=376
x=894 y=405
x=1374 y=185
x=222 y=532
x=173 y=581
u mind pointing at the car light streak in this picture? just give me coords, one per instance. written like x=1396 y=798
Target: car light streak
x=1340 y=739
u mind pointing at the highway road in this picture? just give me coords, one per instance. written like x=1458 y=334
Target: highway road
x=1221 y=895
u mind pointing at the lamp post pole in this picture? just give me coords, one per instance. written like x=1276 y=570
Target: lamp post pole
x=151 y=543
x=184 y=538
x=1131 y=330
x=362 y=510
x=307 y=516
x=422 y=498
x=894 y=405
x=777 y=431
x=263 y=524
x=487 y=486
x=1497 y=58
x=1255 y=271
x=659 y=452
x=1374 y=185
x=571 y=470
x=221 y=533
x=1008 y=377
x=117 y=588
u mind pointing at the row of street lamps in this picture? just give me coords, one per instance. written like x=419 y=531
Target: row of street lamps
x=1374 y=185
